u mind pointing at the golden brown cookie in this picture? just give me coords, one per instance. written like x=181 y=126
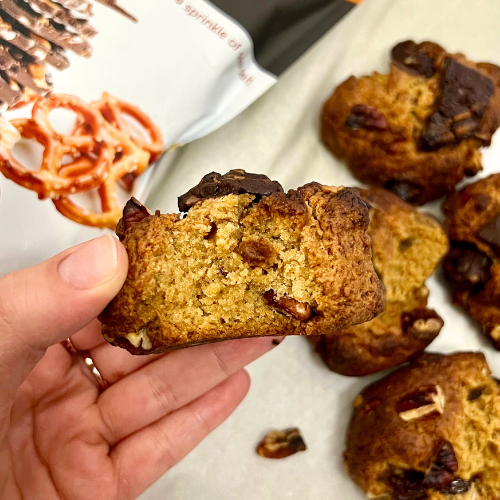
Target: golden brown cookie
x=407 y=246
x=248 y=260
x=429 y=430
x=473 y=265
x=417 y=130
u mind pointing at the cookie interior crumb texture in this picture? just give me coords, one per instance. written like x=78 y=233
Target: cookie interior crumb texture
x=407 y=246
x=296 y=263
x=451 y=453
x=417 y=130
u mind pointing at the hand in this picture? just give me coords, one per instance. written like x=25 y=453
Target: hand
x=62 y=438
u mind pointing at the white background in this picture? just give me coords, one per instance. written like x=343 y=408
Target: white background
x=279 y=136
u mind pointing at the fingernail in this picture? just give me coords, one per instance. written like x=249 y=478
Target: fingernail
x=92 y=264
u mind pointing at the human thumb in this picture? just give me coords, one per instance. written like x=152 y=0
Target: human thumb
x=47 y=303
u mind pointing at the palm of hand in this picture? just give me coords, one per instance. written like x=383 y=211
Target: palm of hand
x=66 y=440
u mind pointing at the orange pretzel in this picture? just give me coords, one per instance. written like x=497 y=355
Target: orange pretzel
x=86 y=113
x=130 y=159
x=112 y=110
x=48 y=181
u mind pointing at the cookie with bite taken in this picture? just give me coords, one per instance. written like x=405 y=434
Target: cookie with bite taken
x=246 y=260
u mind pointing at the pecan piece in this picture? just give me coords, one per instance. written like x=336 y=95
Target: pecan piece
x=300 y=311
x=281 y=444
x=425 y=401
x=422 y=323
x=363 y=116
x=440 y=474
x=133 y=213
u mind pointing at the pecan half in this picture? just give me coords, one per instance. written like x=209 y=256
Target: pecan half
x=440 y=474
x=133 y=213
x=363 y=116
x=281 y=444
x=424 y=401
x=300 y=311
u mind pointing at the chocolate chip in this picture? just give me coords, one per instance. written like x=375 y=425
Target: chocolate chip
x=300 y=311
x=238 y=181
x=475 y=393
x=133 y=213
x=257 y=253
x=212 y=232
x=281 y=444
x=456 y=487
x=408 y=486
x=467 y=268
x=412 y=57
x=490 y=232
x=464 y=95
x=405 y=190
x=405 y=244
x=363 y=116
x=437 y=477
x=421 y=323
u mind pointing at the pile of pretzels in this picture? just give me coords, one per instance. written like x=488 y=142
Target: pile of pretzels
x=102 y=150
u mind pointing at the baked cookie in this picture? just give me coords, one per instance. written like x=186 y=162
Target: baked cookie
x=247 y=260
x=429 y=430
x=407 y=246
x=417 y=130
x=473 y=265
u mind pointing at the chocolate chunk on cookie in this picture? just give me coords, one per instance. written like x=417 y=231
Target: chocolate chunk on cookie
x=407 y=246
x=463 y=98
x=244 y=264
x=422 y=59
x=472 y=266
x=417 y=130
x=237 y=181
x=428 y=431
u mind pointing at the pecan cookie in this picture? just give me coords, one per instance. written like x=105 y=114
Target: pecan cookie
x=407 y=246
x=429 y=430
x=473 y=265
x=247 y=260
x=417 y=130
